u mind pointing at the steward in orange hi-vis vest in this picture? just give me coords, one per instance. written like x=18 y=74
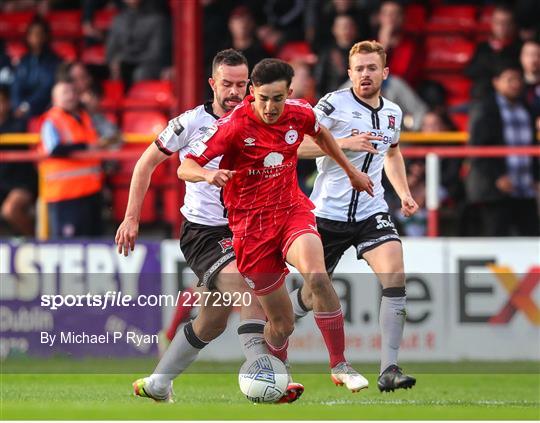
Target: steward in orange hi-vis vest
x=66 y=178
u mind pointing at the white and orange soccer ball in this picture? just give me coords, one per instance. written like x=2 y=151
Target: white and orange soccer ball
x=263 y=379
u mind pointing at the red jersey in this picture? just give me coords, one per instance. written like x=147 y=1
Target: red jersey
x=264 y=157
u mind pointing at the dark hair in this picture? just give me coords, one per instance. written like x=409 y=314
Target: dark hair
x=39 y=21
x=503 y=6
x=96 y=89
x=271 y=70
x=504 y=65
x=229 y=57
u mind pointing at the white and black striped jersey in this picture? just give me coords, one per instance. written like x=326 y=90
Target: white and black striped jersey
x=202 y=202
x=344 y=114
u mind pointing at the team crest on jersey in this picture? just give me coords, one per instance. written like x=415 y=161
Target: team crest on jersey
x=291 y=136
x=392 y=122
x=225 y=244
x=209 y=133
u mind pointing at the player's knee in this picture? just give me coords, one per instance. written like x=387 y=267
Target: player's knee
x=319 y=283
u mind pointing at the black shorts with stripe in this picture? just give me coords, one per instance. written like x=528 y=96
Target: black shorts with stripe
x=337 y=237
x=207 y=250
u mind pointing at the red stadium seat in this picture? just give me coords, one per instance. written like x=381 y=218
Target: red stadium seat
x=150 y=95
x=120 y=197
x=458 y=88
x=415 y=18
x=447 y=53
x=113 y=95
x=461 y=120
x=15 y=50
x=65 y=23
x=144 y=122
x=94 y=55
x=14 y=24
x=103 y=18
x=66 y=50
x=452 y=19
x=297 y=50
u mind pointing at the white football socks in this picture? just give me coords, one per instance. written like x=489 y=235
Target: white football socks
x=299 y=308
x=391 y=320
x=251 y=336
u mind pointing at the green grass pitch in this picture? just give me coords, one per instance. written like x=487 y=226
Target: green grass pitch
x=444 y=391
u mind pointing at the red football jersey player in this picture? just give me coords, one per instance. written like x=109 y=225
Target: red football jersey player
x=270 y=217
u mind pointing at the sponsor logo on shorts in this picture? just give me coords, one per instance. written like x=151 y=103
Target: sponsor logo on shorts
x=384 y=221
x=250 y=283
x=225 y=244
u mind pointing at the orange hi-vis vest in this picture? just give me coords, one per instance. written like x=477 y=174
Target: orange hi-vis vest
x=65 y=178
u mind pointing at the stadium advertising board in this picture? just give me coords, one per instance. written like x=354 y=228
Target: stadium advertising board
x=467 y=299
x=79 y=299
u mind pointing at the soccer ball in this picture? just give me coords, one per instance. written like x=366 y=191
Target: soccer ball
x=263 y=379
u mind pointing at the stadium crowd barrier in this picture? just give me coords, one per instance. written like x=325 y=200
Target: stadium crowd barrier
x=432 y=154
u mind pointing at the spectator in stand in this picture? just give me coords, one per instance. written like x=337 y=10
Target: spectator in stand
x=320 y=15
x=303 y=83
x=452 y=192
x=242 y=35
x=6 y=70
x=108 y=133
x=404 y=52
x=415 y=225
x=136 y=43
x=503 y=44
x=331 y=71
x=504 y=190
x=286 y=17
x=530 y=61
x=80 y=76
x=18 y=181
x=73 y=186
x=89 y=7
x=34 y=75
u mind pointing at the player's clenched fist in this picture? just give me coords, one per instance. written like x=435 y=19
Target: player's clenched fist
x=220 y=177
x=408 y=206
x=360 y=181
x=126 y=235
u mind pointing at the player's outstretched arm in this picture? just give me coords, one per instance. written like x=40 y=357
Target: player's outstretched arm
x=190 y=171
x=360 y=143
x=128 y=230
x=359 y=180
x=394 y=167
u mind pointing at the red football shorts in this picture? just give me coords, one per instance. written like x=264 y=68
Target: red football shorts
x=260 y=255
